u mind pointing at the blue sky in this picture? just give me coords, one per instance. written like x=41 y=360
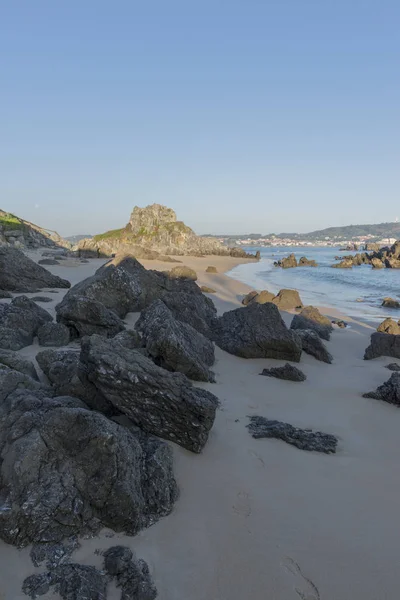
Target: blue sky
x=243 y=116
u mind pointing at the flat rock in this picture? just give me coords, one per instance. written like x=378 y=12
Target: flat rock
x=256 y=332
x=12 y=338
x=388 y=391
x=313 y=345
x=162 y=403
x=48 y=261
x=53 y=334
x=304 y=439
x=18 y=273
x=288 y=372
x=383 y=344
x=175 y=345
x=311 y=318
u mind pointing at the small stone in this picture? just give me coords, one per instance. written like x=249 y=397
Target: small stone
x=288 y=372
x=207 y=290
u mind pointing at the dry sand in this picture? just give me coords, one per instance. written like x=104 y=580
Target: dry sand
x=258 y=519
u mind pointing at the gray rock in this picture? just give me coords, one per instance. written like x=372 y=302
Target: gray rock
x=256 y=332
x=304 y=439
x=18 y=273
x=84 y=316
x=53 y=334
x=4 y=294
x=12 y=380
x=393 y=367
x=306 y=262
x=311 y=318
x=15 y=361
x=288 y=300
x=288 y=372
x=23 y=316
x=193 y=308
x=131 y=575
x=162 y=403
x=53 y=554
x=388 y=391
x=48 y=261
x=129 y=338
x=25 y=303
x=313 y=345
x=383 y=344
x=70 y=471
x=71 y=581
x=175 y=345
x=42 y=299
x=14 y=338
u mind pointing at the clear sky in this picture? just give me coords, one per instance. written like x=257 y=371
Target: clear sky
x=242 y=115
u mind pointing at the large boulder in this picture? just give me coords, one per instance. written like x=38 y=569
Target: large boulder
x=71 y=581
x=84 y=316
x=388 y=391
x=196 y=309
x=175 y=345
x=311 y=318
x=12 y=380
x=53 y=334
x=19 y=322
x=15 y=361
x=162 y=403
x=389 y=326
x=18 y=273
x=67 y=471
x=383 y=344
x=256 y=332
x=288 y=300
x=12 y=338
x=313 y=345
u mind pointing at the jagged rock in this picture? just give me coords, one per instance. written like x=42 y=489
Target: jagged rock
x=15 y=361
x=311 y=318
x=196 y=309
x=393 y=367
x=84 y=316
x=53 y=554
x=129 y=339
x=131 y=575
x=305 y=262
x=211 y=269
x=383 y=344
x=70 y=471
x=288 y=372
x=4 y=295
x=287 y=263
x=249 y=297
x=287 y=300
x=388 y=391
x=256 y=332
x=53 y=334
x=304 y=439
x=71 y=581
x=18 y=273
x=175 y=345
x=183 y=273
x=19 y=322
x=390 y=303
x=389 y=326
x=313 y=345
x=68 y=378
x=48 y=261
x=42 y=299
x=12 y=380
x=162 y=403
x=344 y=264
x=14 y=338
x=25 y=303
x=207 y=290
x=376 y=263
x=392 y=263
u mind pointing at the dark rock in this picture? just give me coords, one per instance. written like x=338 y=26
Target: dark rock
x=256 y=332
x=70 y=471
x=53 y=334
x=175 y=345
x=48 y=261
x=4 y=294
x=211 y=270
x=311 y=318
x=313 y=345
x=339 y=323
x=53 y=554
x=207 y=290
x=15 y=361
x=287 y=300
x=388 y=391
x=393 y=367
x=288 y=372
x=249 y=297
x=383 y=344
x=18 y=273
x=84 y=316
x=305 y=262
x=183 y=272
x=71 y=581
x=22 y=314
x=162 y=403
x=25 y=303
x=131 y=575
x=390 y=303
x=42 y=299
x=389 y=326
x=304 y=439
x=196 y=309
x=12 y=380
x=14 y=339
x=129 y=339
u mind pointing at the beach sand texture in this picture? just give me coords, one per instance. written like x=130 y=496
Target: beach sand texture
x=259 y=519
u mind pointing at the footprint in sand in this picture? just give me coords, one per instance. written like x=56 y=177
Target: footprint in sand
x=242 y=504
x=303 y=586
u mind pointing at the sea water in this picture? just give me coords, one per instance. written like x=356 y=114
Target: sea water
x=356 y=292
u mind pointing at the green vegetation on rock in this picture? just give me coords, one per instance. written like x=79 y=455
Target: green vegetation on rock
x=9 y=221
x=113 y=233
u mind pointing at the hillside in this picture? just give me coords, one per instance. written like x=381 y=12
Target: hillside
x=19 y=233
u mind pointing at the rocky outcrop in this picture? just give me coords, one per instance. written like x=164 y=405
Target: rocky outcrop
x=376 y=263
x=18 y=233
x=290 y=262
x=18 y=273
x=19 y=322
x=390 y=303
x=175 y=345
x=383 y=344
x=388 y=391
x=257 y=331
x=162 y=403
x=288 y=300
x=389 y=326
x=306 y=262
x=67 y=471
x=344 y=264
x=311 y=318
x=155 y=228
x=288 y=372
x=304 y=439
x=312 y=344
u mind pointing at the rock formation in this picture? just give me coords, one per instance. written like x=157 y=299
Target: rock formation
x=288 y=300
x=390 y=303
x=311 y=318
x=388 y=391
x=288 y=372
x=383 y=344
x=389 y=326
x=18 y=273
x=18 y=233
x=313 y=345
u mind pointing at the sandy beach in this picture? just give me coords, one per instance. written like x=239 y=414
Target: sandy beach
x=259 y=519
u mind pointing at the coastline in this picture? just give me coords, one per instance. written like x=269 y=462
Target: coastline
x=258 y=518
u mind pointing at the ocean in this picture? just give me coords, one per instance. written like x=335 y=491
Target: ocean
x=357 y=292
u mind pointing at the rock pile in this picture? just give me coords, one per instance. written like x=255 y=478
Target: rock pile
x=290 y=262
